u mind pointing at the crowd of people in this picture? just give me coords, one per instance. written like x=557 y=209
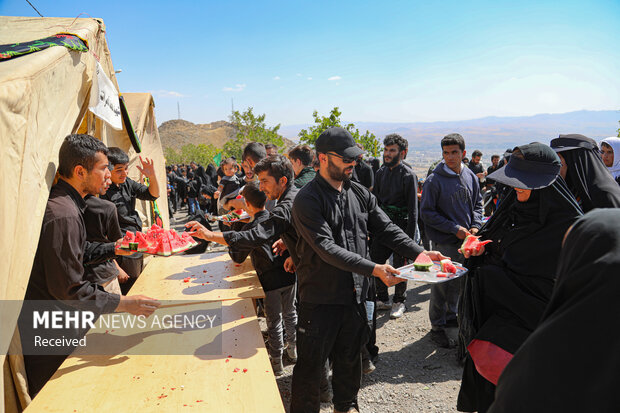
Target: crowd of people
x=327 y=232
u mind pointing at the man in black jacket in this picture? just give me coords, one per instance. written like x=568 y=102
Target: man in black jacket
x=396 y=189
x=57 y=274
x=333 y=216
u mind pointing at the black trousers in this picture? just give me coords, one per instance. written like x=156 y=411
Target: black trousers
x=337 y=332
x=379 y=253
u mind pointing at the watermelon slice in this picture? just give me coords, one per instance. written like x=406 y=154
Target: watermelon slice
x=189 y=239
x=143 y=244
x=422 y=263
x=164 y=247
x=154 y=247
x=473 y=244
x=447 y=266
x=129 y=237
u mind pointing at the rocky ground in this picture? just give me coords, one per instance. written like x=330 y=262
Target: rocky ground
x=412 y=374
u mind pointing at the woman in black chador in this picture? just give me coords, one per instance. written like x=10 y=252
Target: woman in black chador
x=585 y=173
x=510 y=280
x=571 y=362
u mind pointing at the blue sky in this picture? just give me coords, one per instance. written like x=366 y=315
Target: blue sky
x=378 y=61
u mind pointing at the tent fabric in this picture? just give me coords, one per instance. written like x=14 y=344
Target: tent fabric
x=44 y=97
x=141 y=108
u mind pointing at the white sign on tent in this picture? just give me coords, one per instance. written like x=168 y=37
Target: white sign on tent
x=104 y=99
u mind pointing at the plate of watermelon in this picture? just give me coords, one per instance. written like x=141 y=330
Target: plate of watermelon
x=232 y=216
x=158 y=241
x=426 y=271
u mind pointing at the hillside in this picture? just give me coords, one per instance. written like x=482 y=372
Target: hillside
x=178 y=132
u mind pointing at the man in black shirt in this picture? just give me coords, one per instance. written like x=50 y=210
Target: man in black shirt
x=396 y=189
x=101 y=223
x=333 y=216
x=363 y=174
x=57 y=272
x=123 y=193
x=275 y=177
x=476 y=166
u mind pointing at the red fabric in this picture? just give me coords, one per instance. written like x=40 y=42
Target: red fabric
x=489 y=359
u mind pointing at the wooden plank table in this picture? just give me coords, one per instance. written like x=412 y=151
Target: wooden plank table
x=202 y=277
x=178 y=383
x=130 y=379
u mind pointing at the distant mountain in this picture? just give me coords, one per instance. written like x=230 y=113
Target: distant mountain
x=493 y=131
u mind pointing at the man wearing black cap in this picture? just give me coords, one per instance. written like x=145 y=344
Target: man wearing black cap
x=333 y=216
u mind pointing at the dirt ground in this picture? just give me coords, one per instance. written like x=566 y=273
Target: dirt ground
x=413 y=374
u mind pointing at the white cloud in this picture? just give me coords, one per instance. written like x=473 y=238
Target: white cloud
x=168 y=94
x=276 y=78
x=238 y=88
x=309 y=78
x=334 y=78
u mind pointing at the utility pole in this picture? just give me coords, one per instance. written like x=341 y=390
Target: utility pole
x=179 y=109
x=232 y=106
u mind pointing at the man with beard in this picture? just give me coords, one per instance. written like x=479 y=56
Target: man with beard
x=275 y=176
x=396 y=189
x=57 y=274
x=333 y=216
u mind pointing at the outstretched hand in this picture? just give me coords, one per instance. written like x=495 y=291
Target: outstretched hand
x=196 y=229
x=435 y=255
x=384 y=272
x=279 y=247
x=148 y=167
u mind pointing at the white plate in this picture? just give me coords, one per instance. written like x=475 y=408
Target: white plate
x=430 y=277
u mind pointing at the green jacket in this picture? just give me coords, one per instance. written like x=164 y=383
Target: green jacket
x=306 y=175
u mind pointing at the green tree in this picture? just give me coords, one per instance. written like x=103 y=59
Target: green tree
x=202 y=154
x=369 y=141
x=250 y=128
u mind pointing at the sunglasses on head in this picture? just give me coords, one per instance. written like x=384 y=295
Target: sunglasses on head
x=346 y=159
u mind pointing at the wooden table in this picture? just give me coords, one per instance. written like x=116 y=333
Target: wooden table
x=240 y=379
x=203 y=277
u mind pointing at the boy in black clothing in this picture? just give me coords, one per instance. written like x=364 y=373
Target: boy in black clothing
x=193 y=192
x=123 y=193
x=279 y=285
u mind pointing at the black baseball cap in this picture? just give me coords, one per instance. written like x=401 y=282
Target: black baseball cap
x=338 y=140
x=573 y=141
x=539 y=168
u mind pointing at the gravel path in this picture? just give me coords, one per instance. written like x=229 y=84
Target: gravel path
x=413 y=374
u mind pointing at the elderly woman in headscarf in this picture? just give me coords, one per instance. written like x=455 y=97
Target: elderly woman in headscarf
x=585 y=173
x=610 y=153
x=511 y=279
x=571 y=363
